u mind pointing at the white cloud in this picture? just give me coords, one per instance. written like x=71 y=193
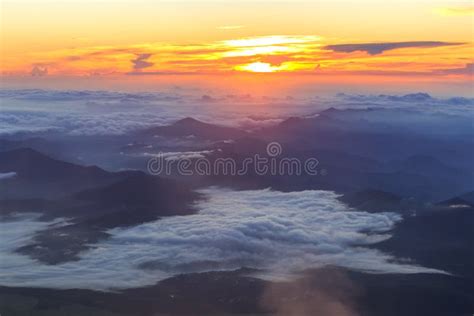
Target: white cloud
x=116 y=113
x=7 y=175
x=180 y=155
x=281 y=233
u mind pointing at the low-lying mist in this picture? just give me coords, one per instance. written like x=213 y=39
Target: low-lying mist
x=280 y=234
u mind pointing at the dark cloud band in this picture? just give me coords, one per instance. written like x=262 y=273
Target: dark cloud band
x=379 y=48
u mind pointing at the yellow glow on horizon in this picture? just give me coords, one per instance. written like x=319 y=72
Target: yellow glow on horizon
x=257 y=67
x=269 y=45
x=260 y=50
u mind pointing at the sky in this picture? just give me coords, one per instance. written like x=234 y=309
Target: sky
x=145 y=43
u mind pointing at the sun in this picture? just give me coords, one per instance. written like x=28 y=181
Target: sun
x=257 y=67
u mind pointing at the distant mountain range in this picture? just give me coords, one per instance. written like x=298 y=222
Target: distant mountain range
x=394 y=150
x=374 y=166
x=378 y=160
x=92 y=198
x=189 y=127
x=40 y=176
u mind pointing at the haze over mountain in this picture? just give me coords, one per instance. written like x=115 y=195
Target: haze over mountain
x=391 y=196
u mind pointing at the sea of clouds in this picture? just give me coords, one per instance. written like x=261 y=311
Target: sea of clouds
x=281 y=234
x=116 y=113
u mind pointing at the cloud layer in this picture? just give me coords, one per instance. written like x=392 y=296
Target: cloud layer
x=280 y=233
x=116 y=113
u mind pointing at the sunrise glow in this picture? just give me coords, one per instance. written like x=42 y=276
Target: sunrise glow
x=236 y=157
x=319 y=40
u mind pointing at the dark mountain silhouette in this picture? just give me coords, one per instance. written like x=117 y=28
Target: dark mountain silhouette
x=437 y=236
x=385 y=121
x=36 y=143
x=192 y=127
x=464 y=200
x=141 y=192
x=134 y=200
x=345 y=172
x=469 y=197
x=455 y=202
x=38 y=175
x=137 y=199
x=374 y=201
x=430 y=166
x=109 y=200
x=415 y=151
x=239 y=293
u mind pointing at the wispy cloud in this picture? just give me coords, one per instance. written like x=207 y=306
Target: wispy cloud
x=300 y=54
x=39 y=71
x=467 y=9
x=7 y=175
x=141 y=62
x=379 y=48
x=468 y=69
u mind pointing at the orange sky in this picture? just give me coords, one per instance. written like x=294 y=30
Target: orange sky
x=402 y=39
